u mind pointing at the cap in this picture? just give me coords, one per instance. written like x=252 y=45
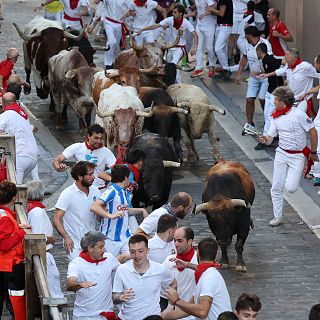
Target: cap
x=12 y=53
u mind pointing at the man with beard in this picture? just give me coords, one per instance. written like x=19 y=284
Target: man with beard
x=91 y=150
x=73 y=207
x=179 y=207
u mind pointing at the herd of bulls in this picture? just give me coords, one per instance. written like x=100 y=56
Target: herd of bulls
x=140 y=93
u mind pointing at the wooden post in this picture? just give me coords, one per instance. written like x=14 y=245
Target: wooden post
x=34 y=244
x=8 y=142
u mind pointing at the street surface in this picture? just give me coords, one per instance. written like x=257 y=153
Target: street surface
x=282 y=262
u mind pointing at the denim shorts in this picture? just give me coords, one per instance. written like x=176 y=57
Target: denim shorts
x=257 y=88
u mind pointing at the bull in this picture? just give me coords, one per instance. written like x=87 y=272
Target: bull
x=156 y=176
x=75 y=93
x=227 y=198
x=199 y=120
x=165 y=120
x=120 y=112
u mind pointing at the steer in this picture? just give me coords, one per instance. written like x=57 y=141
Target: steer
x=227 y=199
x=156 y=176
x=200 y=119
x=165 y=120
x=120 y=112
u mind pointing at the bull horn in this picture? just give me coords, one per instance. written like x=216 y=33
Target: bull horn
x=23 y=35
x=145 y=114
x=72 y=36
x=148 y=70
x=100 y=48
x=201 y=207
x=173 y=44
x=171 y=164
x=112 y=73
x=133 y=44
x=179 y=110
x=217 y=109
x=185 y=69
x=186 y=104
x=103 y=115
x=238 y=203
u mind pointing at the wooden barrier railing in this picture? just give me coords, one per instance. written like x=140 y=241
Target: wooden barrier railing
x=40 y=305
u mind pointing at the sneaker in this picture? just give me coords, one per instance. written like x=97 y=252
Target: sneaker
x=316 y=181
x=196 y=73
x=211 y=72
x=276 y=222
x=243 y=133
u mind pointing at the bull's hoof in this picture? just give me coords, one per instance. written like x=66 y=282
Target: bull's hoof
x=224 y=265
x=26 y=90
x=241 y=268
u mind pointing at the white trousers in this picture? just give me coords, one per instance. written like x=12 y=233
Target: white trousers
x=54 y=16
x=113 y=31
x=268 y=109
x=117 y=247
x=287 y=171
x=73 y=25
x=316 y=166
x=24 y=166
x=89 y=318
x=174 y=55
x=53 y=276
x=145 y=36
x=221 y=45
x=205 y=38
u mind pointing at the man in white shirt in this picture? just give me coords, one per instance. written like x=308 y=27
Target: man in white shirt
x=211 y=295
x=74 y=10
x=257 y=87
x=144 y=15
x=41 y=224
x=292 y=126
x=91 y=150
x=14 y=121
x=73 y=207
x=186 y=285
x=90 y=277
x=179 y=206
x=173 y=25
x=143 y=279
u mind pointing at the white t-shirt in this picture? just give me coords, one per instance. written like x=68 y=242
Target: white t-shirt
x=115 y=199
x=300 y=79
x=160 y=250
x=40 y=223
x=212 y=284
x=72 y=12
x=173 y=32
x=14 y=124
x=145 y=15
x=251 y=53
x=115 y=9
x=146 y=289
x=239 y=8
x=150 y=223
x=101 y=157
x=78 y=219
x=207 y=21
x=292 y=128
x=94 y=300
x=186 y=283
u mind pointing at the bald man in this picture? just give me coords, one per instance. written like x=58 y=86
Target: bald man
x=14 y=121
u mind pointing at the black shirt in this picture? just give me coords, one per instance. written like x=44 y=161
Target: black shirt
x=263 y=7
x=270 y=64
x=228 y=16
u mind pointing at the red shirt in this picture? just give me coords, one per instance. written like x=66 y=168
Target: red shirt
x=278 y=45
x=6 y=67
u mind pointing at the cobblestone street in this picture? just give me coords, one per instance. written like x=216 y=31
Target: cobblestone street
x=283 y=263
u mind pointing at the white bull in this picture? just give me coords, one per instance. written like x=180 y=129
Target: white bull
x=199 y=120
x=120 y=112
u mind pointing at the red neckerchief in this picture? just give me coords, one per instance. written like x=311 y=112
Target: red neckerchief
x=73 y=4
x=13 y=213
x=136 y=172
x=187 y=256
x=15 y=107
x=295 y=64
x=86 y=257
x=140 y=3
x=248 y=13
x=277 y=113
x=91 y=148
x=110 y=315
x=202 y=267
x=35 y=204
x=177 y=23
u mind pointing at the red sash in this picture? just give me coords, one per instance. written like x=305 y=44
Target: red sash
x=110 y=315
x=124 y=29
x=184 y=51
x=86 y=257
x=187 y=256
x=202 y=267
x=15 y=107
x=310 y=109
x=35 y=204
x=67 y=17
x=140 y=3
